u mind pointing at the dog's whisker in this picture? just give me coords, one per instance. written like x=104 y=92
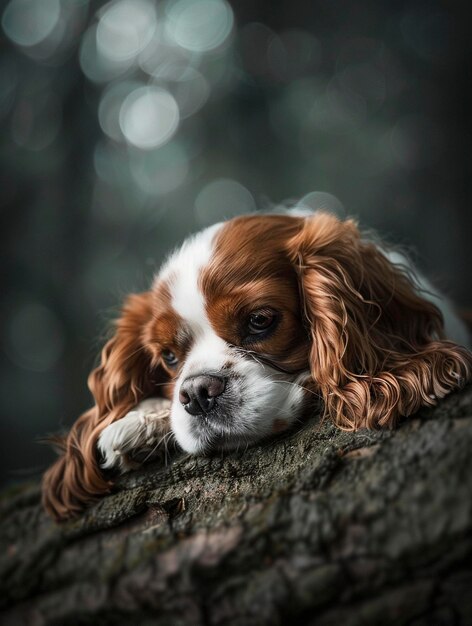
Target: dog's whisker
x=162 y=442
x=323 y=314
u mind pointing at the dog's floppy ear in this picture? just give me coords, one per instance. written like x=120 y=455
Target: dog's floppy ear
x=127 y=374
x=377 y=346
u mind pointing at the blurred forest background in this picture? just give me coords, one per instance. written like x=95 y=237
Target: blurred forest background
x=127 y=125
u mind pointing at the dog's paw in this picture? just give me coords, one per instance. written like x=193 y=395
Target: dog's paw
x=136 y=437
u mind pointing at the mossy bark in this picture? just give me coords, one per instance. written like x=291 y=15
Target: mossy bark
x=320 y=527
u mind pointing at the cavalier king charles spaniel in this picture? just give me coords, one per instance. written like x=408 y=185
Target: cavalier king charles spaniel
x=245 y=326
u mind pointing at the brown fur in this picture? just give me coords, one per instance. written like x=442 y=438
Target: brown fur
x=250 y=269
x=128 y=373
x=375 y=348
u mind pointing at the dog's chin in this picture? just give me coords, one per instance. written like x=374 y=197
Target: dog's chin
x=204 y=435
x=209 y=442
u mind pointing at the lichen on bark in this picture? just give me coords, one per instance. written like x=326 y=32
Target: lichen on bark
x=317 y=527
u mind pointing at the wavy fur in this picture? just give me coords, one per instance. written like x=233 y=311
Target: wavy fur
x=377 y=350
x=126 y=375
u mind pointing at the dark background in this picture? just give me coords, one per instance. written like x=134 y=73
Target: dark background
x=125 y=126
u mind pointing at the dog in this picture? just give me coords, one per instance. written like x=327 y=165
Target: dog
x=245 y=326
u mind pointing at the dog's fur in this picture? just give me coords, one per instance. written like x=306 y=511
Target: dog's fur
x=261 y=314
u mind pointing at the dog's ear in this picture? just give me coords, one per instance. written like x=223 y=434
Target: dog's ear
x=377 y=346
x=127 y=374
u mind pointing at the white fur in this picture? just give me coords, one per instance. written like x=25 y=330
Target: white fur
x=265 y=395
x=136 y=429
x=208 y=354
x=268 y=396
x=182 y=271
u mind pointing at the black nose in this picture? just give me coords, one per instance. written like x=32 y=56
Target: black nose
x=197 y=394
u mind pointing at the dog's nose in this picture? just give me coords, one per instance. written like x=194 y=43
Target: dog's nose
x=197 y=394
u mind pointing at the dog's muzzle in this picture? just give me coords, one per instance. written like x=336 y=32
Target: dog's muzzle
x=198 y=394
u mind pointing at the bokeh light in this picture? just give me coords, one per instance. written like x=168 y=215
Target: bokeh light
x=29 y=22
x=322 y=201
x=164 y=60
x=127 y=124
x=191 y=92
x=149 y=116
x=160 y=171
x=110 y=105
x=125 y=28
x=111 y=164
x=199 y=25
x=95 y=66
x=222 y=199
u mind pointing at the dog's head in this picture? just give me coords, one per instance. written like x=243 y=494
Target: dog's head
x=229 y=329
x=251 y=319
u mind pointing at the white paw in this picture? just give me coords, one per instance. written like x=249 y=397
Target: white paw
x=139 y=430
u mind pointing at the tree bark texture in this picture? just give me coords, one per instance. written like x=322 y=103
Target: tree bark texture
x=320 y=527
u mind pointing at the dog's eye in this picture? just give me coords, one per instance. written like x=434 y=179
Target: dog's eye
x=170 y=358
x=260 y=321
